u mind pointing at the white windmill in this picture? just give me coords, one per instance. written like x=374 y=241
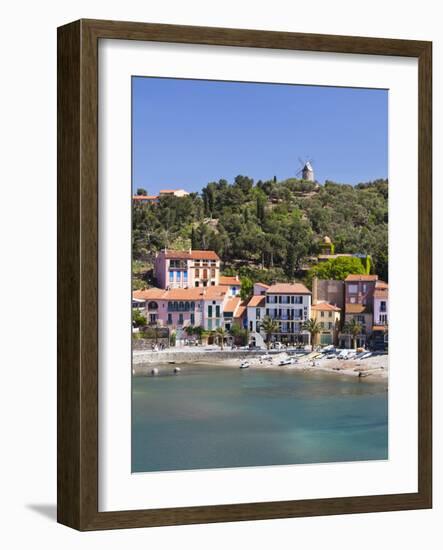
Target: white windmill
x=306 y=170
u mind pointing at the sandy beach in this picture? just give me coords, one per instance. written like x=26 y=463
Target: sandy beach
x=374 y=367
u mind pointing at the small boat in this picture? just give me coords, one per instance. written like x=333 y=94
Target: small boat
x=244 y=365
x=177 y=370
x=331 y=356
x=285 y=362
x=366 y=355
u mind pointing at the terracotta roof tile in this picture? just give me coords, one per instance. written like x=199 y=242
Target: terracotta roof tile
x=225 y=280
x=213 y=292
x=241 y=310
x=324 y=306
x=356 y=277
x=183 y=294
x=190 y=255
x=257 y=301
x=232 y=304
x=144 y=197
x=204 y=255
x=356 y=308
x=148 y=294
x=286 y=288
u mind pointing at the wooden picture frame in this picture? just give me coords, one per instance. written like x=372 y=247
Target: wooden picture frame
x=78 y=274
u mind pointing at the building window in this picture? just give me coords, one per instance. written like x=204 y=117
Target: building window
x=212 y=272
x=212 y=283
x=169 y=318
x=196 y=283
x=171 y=276
x=217 y=311
x=197 y=273
x=322 y=314
x=353 y=289
x=383 y=306
x=192 y=318
x=384 y=319
x=209 y=324
x=298 y=300
x=205 y=274
x=257 y=313
x=185 y=276
x=209 y=311
x=330 y=314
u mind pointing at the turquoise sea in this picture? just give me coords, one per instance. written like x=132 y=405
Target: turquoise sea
x=221 y=417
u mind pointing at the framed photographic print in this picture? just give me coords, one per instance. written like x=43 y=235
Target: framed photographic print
x=244 y=274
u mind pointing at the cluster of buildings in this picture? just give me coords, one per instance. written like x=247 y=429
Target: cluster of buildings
x=191 y=292
x=146 y=199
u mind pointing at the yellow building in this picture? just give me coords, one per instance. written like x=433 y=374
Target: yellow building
x=328 y=317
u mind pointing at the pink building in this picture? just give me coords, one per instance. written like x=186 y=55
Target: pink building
x=187 y=269
x=182 y=307
x=359 y=305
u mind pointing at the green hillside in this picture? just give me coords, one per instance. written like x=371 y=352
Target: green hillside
x=266 y=230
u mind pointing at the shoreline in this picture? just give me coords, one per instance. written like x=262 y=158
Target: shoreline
x=372 y=368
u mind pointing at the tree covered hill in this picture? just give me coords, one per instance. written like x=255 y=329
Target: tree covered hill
x=267 y=229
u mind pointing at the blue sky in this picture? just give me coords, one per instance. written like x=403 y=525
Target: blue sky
x=187 y=133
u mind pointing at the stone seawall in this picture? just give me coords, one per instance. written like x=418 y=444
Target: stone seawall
x=201 y=356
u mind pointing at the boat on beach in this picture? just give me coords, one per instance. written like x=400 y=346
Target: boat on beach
x=244 y=365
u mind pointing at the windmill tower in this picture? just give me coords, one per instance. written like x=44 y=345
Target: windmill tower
x=307 y=171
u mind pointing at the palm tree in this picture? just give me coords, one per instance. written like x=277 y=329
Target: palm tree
x=354 y=328
x=313 y=327
x=221 y=333
x=269 y=326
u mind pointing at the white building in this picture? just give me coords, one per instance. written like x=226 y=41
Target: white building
x=381 y=303
x=288 y=304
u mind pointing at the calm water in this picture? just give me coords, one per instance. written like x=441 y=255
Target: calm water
x=214 y=417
